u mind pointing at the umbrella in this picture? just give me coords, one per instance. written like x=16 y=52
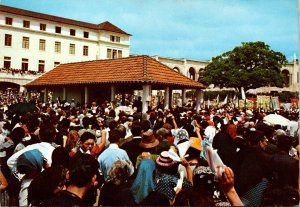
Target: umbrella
x=22 y=108
x=277 y=119
x=128 y=110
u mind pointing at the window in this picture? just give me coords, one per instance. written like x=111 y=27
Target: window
x=25 y=43
x=114 y=54
x=86 y=34
x=43 y=27
x=57 y=47
x=119 y=53
x=58 y=30
x=85 y=50
x=7 y=62
x=72 y=49
x=24 y=64
x=42 y=46
x=56 y=64
x=112 y=38
x=192 y=73
x=8 y=21
x=72 y=32
x=108 y=53
x=26 y=24
x=8 y=38
x=41 y=66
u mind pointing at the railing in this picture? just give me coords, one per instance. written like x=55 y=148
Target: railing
x=19 y=71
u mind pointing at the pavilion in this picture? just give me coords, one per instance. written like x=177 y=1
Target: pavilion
x=87 y=81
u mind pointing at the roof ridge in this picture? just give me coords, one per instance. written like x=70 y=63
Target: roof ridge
x=172 y=69
x=104 y=60
x=145 y=66
x=64 y=20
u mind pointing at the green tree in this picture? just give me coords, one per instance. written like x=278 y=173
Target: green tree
x=251 y=65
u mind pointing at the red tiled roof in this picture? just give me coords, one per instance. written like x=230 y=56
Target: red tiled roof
x=107 y=26
x=137 y=69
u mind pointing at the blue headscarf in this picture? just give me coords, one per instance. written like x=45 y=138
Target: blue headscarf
x=143 y=183
x=30 y=160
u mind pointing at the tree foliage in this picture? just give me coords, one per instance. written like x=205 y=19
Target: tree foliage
x=251 y=65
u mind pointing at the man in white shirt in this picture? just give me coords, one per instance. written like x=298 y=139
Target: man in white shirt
x=46 y=134
x=293 y=127
x=113 y=153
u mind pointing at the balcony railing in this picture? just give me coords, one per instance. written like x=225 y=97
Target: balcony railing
x=18 y=76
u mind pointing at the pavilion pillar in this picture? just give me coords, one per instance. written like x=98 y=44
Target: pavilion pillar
x=199 y=99
x=171 y=98
x=167 y=98
x=22 y=89
x=64 y=94
x=112 y=93
x=146 y=97
x=45 y=95
x=123 y=98
x=27 y=94
x=183 y=94
x=86 y=94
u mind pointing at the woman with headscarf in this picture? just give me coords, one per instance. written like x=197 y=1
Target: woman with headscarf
x=143 y=186
x=168 y=181
x=29 y=163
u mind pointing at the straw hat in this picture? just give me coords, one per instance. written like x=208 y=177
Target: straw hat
x=148 y=140
x=164 y=160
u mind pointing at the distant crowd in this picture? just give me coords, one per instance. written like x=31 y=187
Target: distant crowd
x=19 y=71
x=64 y=154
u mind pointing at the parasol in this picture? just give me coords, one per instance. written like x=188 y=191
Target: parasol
x=275 y=119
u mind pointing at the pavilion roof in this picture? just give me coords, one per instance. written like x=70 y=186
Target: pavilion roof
x=131 y=70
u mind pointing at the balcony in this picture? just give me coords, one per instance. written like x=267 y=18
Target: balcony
x=18 y=76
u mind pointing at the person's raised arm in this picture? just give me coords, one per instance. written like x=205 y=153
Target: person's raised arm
x=227 y=185
x=3 y=181
x=174 y=122
x=189 y=172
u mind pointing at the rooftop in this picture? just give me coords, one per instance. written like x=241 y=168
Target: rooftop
x=137 y=69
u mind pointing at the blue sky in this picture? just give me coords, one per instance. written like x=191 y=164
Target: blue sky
x=194 y=29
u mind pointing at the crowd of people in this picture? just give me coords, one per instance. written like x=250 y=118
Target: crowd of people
x=65 y=154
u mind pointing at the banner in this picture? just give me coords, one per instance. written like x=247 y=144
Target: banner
x=275 y=103
x=249 y=104
x=263 y=102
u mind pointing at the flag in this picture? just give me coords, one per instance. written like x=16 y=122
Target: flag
x=243 y=93
x=225 y=100
x=218 y=99
x=234 y=98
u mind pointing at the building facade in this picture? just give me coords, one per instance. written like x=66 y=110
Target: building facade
x=192 y=69
x=33 y=43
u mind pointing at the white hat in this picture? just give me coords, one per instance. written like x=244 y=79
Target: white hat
x=249 y=113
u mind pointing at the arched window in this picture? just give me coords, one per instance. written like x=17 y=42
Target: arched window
x=176 y=69
x=192 y=73
x=286 y=77
x=201 y=72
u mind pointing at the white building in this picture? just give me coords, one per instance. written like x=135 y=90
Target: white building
x=192 y=68
x=33 y=43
